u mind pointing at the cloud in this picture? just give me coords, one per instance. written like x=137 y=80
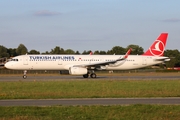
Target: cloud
x=172 y=20
x=46 y=13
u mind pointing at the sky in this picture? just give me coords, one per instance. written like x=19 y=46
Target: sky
x=88 y=24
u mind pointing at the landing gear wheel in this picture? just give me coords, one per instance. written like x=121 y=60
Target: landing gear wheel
x=93 y=75
x=24 y=76
x=86 y=75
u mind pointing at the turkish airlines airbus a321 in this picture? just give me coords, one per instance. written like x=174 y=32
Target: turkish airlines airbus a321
x=86 y=64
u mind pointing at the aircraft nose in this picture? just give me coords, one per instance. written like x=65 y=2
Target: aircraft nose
x=7 y=65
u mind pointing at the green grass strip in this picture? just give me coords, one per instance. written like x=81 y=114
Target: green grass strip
x=89 y=89
x=131 y=112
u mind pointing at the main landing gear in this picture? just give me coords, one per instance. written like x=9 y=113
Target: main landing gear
x=92 y=75
x=24 y=76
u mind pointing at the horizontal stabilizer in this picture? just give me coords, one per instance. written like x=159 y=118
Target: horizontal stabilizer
x=162 y=59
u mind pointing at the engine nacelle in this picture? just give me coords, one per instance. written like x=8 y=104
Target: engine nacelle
x=77 y=71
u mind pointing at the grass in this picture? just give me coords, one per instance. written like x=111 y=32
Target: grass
x=131 y=112
x=89 y=89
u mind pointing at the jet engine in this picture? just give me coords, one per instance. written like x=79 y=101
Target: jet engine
x=77 y=71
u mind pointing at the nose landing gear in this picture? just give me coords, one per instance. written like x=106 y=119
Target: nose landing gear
x=24 y=76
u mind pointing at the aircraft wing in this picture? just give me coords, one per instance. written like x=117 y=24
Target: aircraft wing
x=106 y=62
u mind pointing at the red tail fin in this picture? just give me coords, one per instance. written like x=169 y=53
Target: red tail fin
x=157 y=48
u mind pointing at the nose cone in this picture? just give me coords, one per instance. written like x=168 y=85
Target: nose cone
x=8 y=65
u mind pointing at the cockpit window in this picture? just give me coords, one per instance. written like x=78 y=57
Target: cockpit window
x=14 y=59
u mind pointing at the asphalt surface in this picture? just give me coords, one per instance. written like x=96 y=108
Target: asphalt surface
x=90 y=101
x=69 y=77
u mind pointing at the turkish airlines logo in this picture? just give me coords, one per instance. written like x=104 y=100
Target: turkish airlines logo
x=157 y=49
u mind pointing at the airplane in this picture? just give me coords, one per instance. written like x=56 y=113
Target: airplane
x=86 y=64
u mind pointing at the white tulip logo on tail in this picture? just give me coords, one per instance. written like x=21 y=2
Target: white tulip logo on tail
x=157 y=49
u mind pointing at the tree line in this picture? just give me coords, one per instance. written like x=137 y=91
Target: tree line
x=118 y=50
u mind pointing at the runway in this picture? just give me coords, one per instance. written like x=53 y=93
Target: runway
x=90 y=101
x=102 y=77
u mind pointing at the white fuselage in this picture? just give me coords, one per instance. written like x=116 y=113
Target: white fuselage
x=64 y=62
